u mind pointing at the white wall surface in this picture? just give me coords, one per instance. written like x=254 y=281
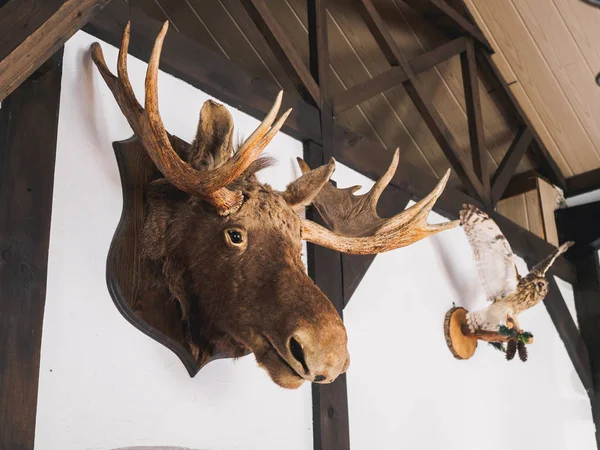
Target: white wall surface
x=104 y=384
x=406 y=390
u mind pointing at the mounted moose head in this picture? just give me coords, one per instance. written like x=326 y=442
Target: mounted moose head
x=230 y=247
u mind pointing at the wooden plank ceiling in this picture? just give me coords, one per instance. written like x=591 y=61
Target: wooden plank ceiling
x=391 y=118
x=549 y=52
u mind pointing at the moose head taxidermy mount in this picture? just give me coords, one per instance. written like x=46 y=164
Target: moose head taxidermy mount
x=215 y=269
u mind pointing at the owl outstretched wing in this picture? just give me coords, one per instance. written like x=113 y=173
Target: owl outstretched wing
x=492 y=252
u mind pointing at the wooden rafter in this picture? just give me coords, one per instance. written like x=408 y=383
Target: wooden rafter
x=509 y=163
x=345 y=99
x=423 y=104
x=34 y=31
x=284 y=49
x=475 y=116
x=447 y=17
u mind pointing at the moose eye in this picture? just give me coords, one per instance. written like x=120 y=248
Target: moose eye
x=235 y=236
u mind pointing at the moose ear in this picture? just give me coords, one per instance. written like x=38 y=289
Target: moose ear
x=213 y=143
x=302 y=191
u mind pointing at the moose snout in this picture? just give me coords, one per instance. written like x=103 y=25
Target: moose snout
x=320 y=355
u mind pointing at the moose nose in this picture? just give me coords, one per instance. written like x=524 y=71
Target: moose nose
x=319 y=355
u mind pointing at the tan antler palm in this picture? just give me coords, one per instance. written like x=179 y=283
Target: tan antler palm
x=357 y=228
x=149 y=128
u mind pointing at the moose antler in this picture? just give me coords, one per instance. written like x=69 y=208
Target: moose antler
x=357 y=228
x=210 y=185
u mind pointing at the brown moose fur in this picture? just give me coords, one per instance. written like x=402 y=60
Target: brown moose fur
x=254 y=297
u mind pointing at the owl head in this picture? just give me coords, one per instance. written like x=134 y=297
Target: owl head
x=534 y=284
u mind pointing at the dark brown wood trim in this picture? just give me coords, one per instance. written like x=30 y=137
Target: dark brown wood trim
x=28 y=133
x=320 y=70
x=587 y=294
x=583 y=183
x=475 y=117
x=355 y=95
x=440 y=12
x=395 y=76
x=330 y=401
x=37 y=34
x=379 y=31
x=570 y=335
x=283 y=48
x=509 y=163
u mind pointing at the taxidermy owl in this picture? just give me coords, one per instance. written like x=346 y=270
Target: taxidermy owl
x=509 y=293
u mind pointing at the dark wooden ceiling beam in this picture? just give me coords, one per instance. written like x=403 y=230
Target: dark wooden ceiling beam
x=583 y=183
x=441 y=11
x=284 y=49
x=587 y=293
x=33 y=31
x=319 y=68
x=347 y=98
x=475 y=117
x=395 y=76
x=28 y=136
x=225 y=80
x=423 y=104
x=379 y=31
x=330 y=401
x=569 y=334
x=509 y=163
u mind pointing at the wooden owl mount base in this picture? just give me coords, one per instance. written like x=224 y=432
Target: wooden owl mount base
x=461 y=342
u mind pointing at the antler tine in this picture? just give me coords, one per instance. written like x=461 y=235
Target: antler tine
x=381 y=184
x=357 y=227
x=122 y=68
x=420 y=210
x=250 y=150
x=264 y=126
x=119 y=86
x=149 y=127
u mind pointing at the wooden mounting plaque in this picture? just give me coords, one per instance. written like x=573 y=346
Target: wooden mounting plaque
x=130 y=277
x=462 y=346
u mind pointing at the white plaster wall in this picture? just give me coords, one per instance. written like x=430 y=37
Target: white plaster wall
x=104 y=384
x=406 y=390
